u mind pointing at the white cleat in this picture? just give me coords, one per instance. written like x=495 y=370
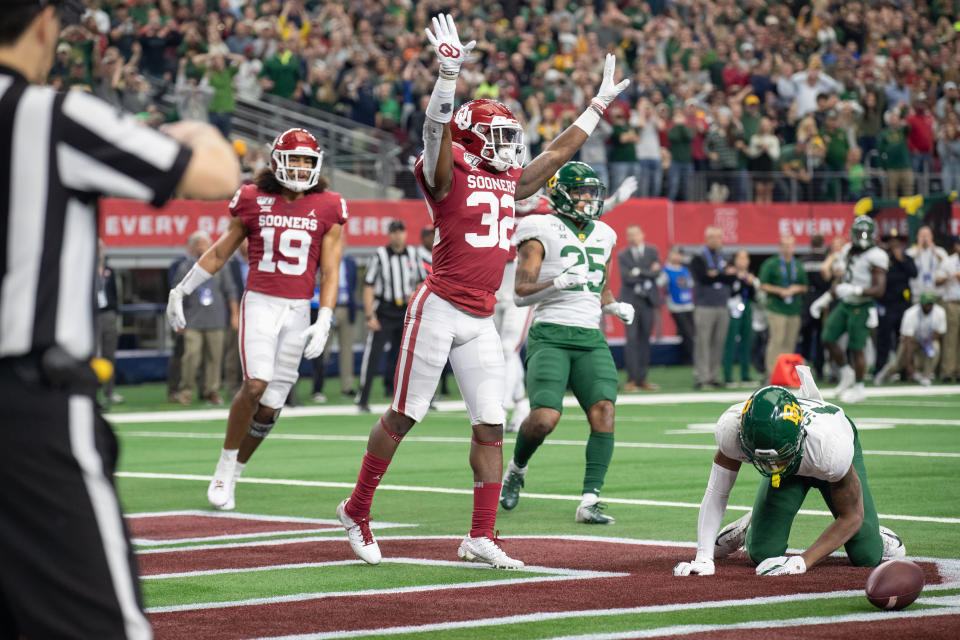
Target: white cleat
x=358 y=533
x=893 y=547
x=484 y=549
x=732 y=537
x=222 y=485
x=853 y=396
x=847 y=378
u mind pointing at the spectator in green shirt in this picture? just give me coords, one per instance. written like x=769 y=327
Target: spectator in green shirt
x=680 y=173
x=892 y=145
x=856 y=175
x=784 y=280
x=220 y=77
x=623 y=147
x=281 y=75
x=837 y=144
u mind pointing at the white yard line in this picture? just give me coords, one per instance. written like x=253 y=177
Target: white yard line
x=456 y=440
x=569 y=401
x=541 y=496
x=550 y=571
x=595 y=613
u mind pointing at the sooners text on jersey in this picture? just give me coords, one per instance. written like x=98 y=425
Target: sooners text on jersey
x=474 y=225
x=285 y=238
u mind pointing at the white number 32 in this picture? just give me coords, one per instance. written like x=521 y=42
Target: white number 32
x=497 y=230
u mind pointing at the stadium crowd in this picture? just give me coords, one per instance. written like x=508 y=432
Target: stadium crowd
x=747 y=100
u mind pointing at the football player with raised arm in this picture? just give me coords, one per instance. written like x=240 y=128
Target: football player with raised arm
x=470 y=170
x=294 y=224
x=864 y=279
x=797 y=442
x=565 y=346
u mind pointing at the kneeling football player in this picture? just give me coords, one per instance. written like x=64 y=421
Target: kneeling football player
x=563 y=261
x=797 y=442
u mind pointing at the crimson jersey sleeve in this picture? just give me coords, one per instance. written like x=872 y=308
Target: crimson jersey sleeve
x=474 y=223
x=286 y=238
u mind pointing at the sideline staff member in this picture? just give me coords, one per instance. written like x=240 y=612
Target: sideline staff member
x=67 y=567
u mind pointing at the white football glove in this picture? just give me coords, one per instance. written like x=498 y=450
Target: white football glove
x=696 y=567
x=626 y=189
x=609 y=91
x=782 y=566
x=316 y=334
x=818 y=305
x=175 y=309
x=450 y=53
x=622 y=310
x=845 y=289
x=570 y=280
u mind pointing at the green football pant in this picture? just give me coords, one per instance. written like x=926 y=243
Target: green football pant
x=590 y=373
x=775 y=509
x=737 y=346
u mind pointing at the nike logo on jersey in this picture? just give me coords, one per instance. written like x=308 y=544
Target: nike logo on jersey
x=312 y=214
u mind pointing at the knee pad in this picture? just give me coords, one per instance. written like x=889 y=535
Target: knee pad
x=262 y=429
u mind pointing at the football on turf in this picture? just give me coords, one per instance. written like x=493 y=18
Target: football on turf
x=894 y=584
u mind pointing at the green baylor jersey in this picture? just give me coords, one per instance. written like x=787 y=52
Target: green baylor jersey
x=566 y=247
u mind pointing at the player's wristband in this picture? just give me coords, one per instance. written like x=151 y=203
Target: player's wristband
x=440 y=107
x=194 y=278
x=590 y=118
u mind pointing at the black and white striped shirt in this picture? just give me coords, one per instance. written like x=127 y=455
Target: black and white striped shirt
x=58 y=153
x=394 y=276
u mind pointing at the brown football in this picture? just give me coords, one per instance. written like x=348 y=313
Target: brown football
x=894 y=584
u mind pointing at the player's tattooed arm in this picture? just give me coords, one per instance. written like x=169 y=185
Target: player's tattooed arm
x=847 y=497
x=529 y=260
x=217 y=255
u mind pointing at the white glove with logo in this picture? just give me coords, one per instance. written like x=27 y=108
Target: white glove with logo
x=609 y=91
x=845 y=289
x=446 y=43
x=175 y=309
x=818 y=305
x=570 y=280
x=697 y=568
x=316 y=334
x=782 y=566
x=622 y=310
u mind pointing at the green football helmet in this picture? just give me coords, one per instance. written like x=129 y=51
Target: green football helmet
x=573 y=184
x=863 y=232
x=772 y=433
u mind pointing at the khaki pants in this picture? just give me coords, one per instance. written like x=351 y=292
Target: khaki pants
x=205 y=345
x=232 y=371
x=899 y=183
x=710 y=327
x=344 y=330
x=784 y=331
x=951 y=341
x=922 y=364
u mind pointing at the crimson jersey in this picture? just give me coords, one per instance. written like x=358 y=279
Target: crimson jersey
x=474 y=225
x=285 y=238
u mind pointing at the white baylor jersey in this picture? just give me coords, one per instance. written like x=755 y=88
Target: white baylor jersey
x=827 y=449
x=856 y=269
x=566 y=247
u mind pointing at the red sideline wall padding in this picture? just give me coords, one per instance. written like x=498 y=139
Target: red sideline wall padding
x=126 y=223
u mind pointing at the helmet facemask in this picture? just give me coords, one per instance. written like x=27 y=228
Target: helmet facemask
x=589 y=195
x=774 y=463
x=503 y=146
x=288 y=175
x=863 y=233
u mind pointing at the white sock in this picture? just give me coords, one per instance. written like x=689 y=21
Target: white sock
x=589 y=499
x=228 y=458
x=858 y=386
x=238 y=470
x=512 y=466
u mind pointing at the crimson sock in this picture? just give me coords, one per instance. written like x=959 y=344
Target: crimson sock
x=485 y=498
x=371 y=473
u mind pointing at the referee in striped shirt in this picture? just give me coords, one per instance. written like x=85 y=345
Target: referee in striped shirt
x=68 y=570
x=392 y=276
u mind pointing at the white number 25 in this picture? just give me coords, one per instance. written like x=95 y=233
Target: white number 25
x=497 y=230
